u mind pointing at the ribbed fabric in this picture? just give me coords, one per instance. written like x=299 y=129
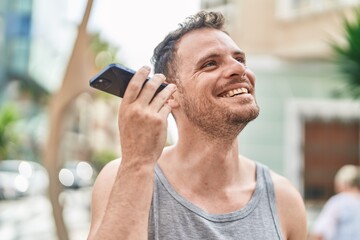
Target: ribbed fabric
x=172 y=217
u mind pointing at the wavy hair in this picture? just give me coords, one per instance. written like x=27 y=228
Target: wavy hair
x=164 y=56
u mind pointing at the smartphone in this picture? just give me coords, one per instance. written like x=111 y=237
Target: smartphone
x=115 y=78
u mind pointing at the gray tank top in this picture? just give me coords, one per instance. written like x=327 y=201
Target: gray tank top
x=172 y=217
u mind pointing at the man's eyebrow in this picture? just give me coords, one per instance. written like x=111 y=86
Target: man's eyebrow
x=239 y=53
x=216 y=55
x=210 y=55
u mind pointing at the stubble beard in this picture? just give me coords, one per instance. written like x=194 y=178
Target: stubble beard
x=216 y=122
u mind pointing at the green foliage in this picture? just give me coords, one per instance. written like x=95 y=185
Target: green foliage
x=8 y=137
x=105 y=53
x=348 y=56
x=100 y=158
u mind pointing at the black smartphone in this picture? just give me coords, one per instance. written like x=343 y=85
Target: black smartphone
x=114 y=79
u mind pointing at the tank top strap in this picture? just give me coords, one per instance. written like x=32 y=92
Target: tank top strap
x=265 y=173
x=259 y=193
x=187 y=219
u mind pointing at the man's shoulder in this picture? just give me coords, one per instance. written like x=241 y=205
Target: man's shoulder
x=290 y=205
x=107 y=175
x=112 y=166
x=281 y=184
x=283 y=187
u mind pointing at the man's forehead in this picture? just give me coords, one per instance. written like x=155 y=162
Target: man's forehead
x=202 y=35
x=204 y=40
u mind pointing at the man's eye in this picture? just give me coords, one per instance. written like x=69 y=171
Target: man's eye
x=209 y=64
x=241 y=60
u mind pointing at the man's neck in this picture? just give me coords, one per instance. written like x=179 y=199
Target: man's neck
x=197 y=170
x=206 y=165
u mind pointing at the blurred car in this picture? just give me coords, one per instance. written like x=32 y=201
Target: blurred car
x=77 y=174
x=19 y=178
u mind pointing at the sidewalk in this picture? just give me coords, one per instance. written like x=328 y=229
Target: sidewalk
x=30 y=218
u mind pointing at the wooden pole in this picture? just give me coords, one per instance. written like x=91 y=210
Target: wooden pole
x=78 y=72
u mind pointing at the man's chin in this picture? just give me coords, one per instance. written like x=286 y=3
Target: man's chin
x=246 y=116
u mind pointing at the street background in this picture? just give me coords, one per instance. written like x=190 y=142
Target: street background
x=56 y=133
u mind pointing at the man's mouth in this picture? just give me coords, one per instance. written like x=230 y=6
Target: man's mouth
x=234 y=92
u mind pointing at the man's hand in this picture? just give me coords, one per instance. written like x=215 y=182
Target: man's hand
x=143 y=131
x=143 y=118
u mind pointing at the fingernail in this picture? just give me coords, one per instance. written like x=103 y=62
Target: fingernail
x=173 y=86
x=147 y=68
x=162 y=76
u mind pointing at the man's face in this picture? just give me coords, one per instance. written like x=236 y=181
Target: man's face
x=216 y=90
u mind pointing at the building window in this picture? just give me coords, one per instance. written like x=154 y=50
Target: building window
x=287 y=9
x=321 y=136
x=328 y=145
x=18 y=56
x=17 y=25
x=23 y=6
x=207 y=4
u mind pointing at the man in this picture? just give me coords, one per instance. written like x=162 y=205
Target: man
x=200 y=188
x=340 y=217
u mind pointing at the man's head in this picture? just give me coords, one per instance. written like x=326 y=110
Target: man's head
x=164 y=58
x=347 y=178
x=216 y=90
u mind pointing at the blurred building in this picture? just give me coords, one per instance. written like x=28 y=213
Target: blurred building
x=15 y=28
x=36 y=39
x=15 y=47
x=307 y=128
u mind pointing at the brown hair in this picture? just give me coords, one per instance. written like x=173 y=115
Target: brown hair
x=164 y=57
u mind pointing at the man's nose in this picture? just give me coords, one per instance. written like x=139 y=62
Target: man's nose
x=236 y=68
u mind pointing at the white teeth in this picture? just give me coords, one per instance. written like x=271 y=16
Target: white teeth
x=234 y=92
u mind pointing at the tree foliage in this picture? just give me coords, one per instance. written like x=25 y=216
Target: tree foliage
x=8 y=137
x=348 y=56
x=105 y=52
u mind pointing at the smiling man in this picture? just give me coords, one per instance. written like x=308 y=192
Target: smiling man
x=201 y=187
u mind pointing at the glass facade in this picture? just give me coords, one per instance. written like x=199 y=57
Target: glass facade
x=15 y=34
x=2 y=43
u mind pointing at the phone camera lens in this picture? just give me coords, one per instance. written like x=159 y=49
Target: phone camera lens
x=102 y=83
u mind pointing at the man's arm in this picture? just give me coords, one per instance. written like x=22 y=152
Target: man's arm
x=291 y=209
x=120 y=203
x=122 y=193
x=101 y=193
x=315 y=237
